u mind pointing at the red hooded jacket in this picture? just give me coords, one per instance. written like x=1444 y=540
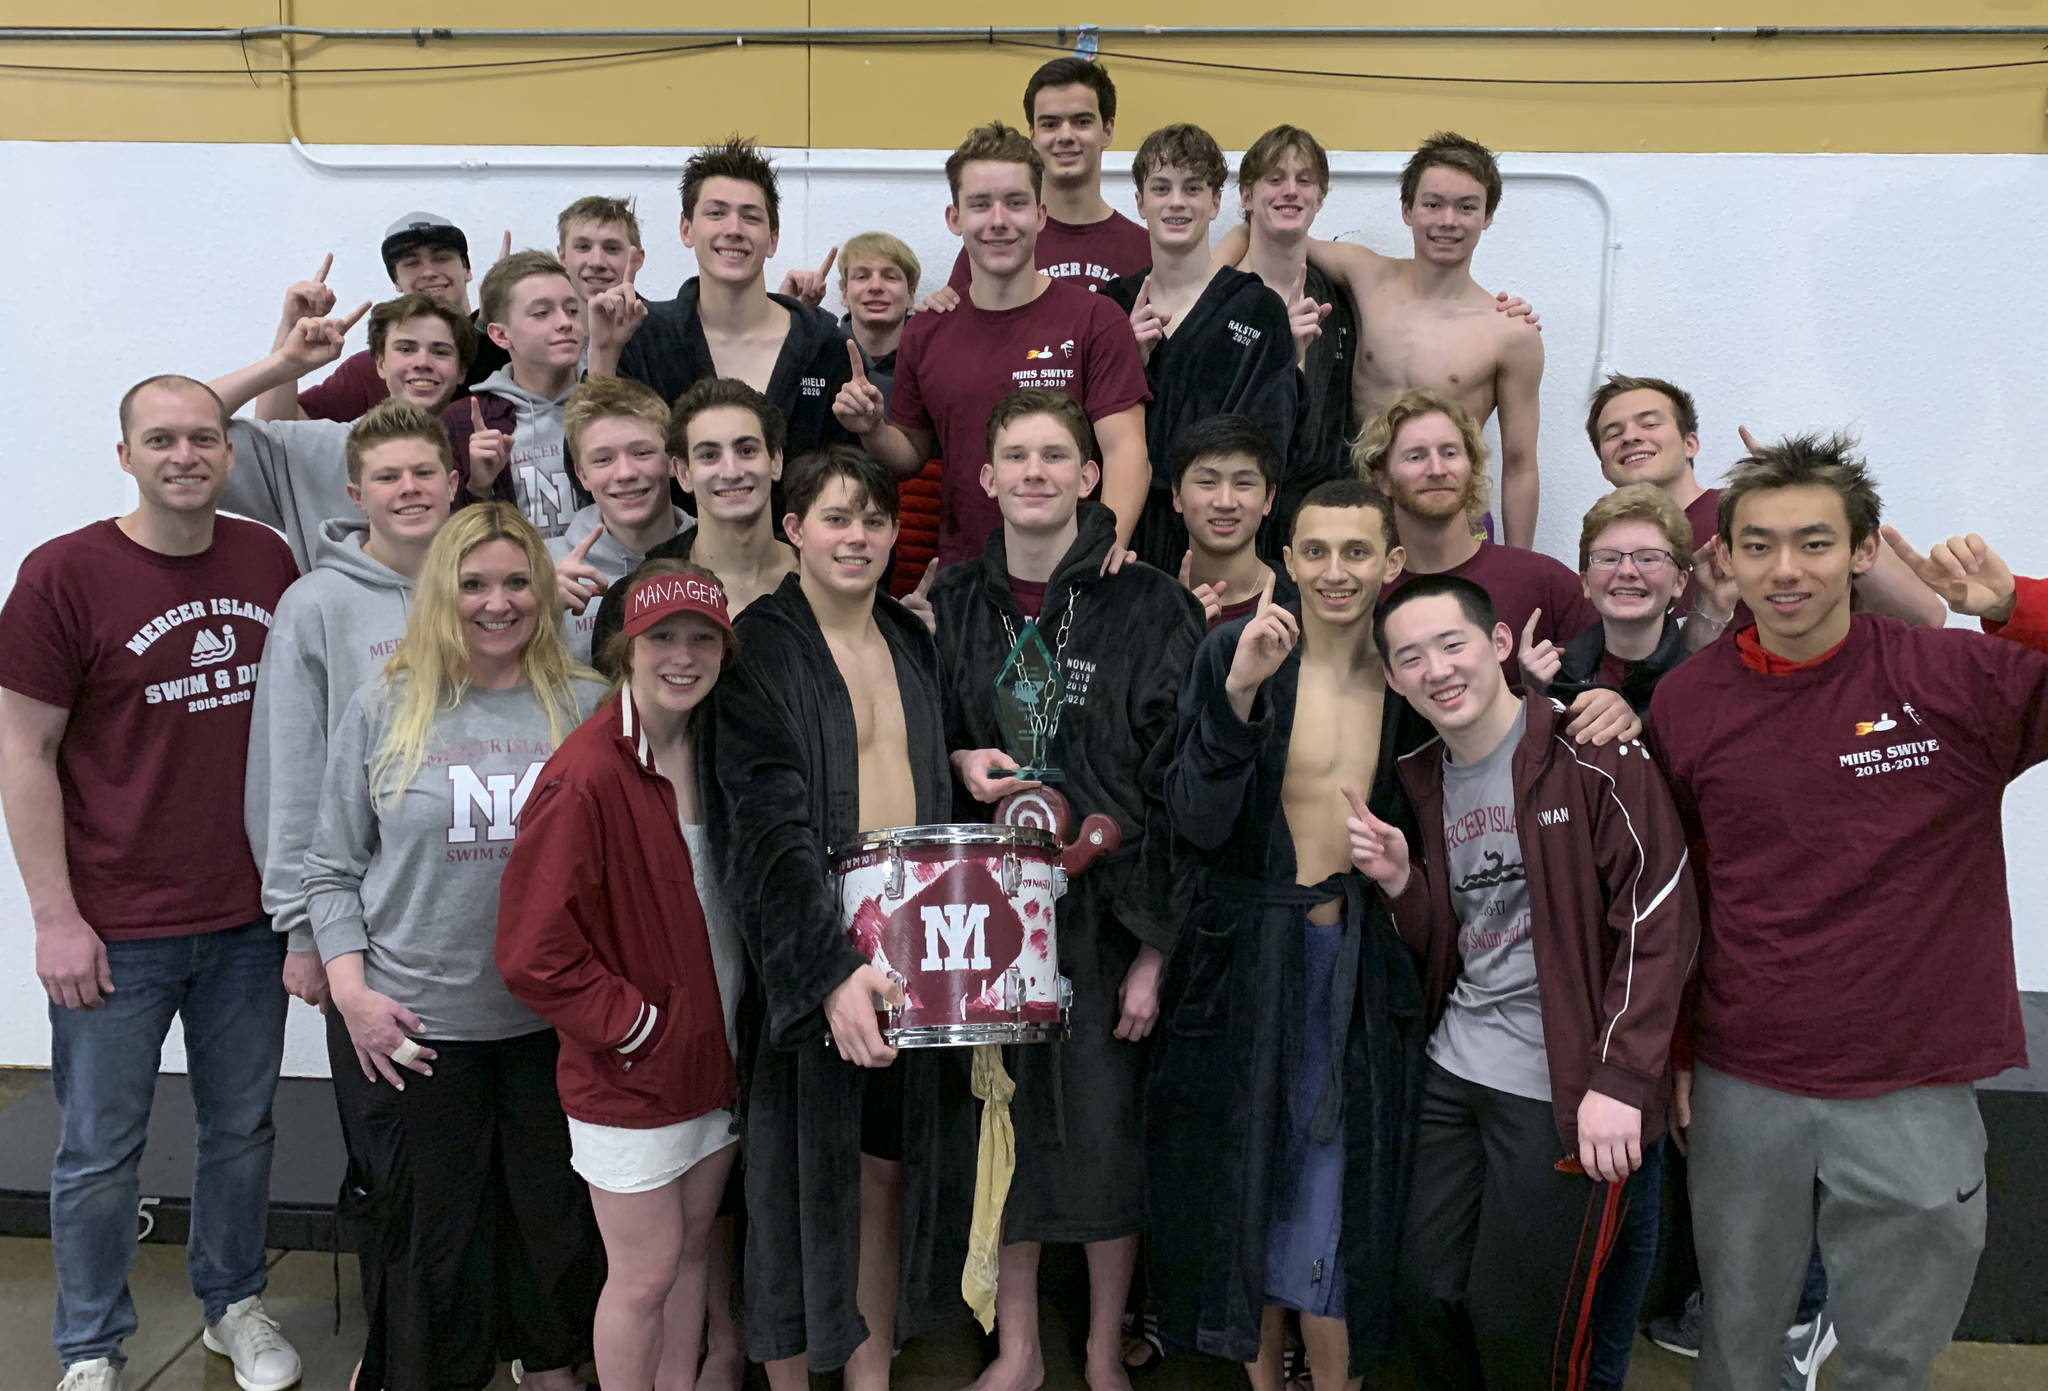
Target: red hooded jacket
x=1613 y=912
x=600 y=933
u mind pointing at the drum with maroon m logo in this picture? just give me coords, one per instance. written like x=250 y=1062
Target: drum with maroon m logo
x=961 y=918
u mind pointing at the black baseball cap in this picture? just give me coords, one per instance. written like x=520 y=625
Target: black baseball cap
x=421 y=229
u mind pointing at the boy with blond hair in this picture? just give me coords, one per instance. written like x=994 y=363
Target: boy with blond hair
x=617 y=433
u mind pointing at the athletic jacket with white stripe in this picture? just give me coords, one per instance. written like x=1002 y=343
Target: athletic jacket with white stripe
x=1613 y=912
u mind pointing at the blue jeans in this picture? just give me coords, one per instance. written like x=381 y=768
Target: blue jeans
x=227 y=986
x=1619 y=1298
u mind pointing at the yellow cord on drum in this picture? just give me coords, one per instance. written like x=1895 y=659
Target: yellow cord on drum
x=995 y=1164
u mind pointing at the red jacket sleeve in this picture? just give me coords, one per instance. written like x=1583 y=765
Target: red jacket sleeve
x=2028 y=625
x=551 y=895
x=1653 y=914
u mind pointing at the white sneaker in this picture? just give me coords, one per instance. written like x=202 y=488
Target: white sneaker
x=249 y=1338
x=95 y=1374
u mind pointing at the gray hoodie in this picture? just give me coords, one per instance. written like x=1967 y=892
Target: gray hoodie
x=292 y=475
x=411 y=881
x=333 y=631
x=609 y=558
x=539 y=459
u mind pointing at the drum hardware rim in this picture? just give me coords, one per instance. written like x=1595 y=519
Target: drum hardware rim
x=993 y=1032
x=950 y=833
x=895 y=1011
x=892 y=884
x=1011 y=877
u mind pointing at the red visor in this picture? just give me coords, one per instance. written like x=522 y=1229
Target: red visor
x=657 y=598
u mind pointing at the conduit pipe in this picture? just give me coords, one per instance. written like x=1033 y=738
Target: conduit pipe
x=422 y=35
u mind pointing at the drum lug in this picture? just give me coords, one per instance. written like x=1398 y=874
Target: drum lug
x=1013 y=985
x=1012 y=874
x=893 y=1011
x=1059 y=881
x=1066 y=999
x=893 y=888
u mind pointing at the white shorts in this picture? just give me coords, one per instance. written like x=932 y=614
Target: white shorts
x=618 y=1160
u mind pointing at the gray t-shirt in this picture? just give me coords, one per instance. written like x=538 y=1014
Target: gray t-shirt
x=1492 y=1029
x=411 y=881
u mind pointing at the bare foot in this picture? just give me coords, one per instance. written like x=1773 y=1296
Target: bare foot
x=723 y=1370
x=1105 y=1371
x=1011 y=1374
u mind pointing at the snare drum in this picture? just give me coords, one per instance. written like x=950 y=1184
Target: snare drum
x=961 y=917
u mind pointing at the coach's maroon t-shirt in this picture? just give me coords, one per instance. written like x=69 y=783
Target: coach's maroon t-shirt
x=1521 y=582
x=953 y=368
x=1088 y=253
x=1859 y=938
x=155 y=657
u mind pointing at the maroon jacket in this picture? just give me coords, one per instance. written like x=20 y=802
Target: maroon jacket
x=600 y=933
x=499 y=414
x=1613 y=911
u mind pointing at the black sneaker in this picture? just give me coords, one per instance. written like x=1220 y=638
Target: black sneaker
x=1807 y=1345
x=1680 y=1332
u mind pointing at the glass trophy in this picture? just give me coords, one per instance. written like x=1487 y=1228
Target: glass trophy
x=1029 y=691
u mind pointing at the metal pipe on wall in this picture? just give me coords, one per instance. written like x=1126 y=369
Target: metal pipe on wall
x=1058 y=33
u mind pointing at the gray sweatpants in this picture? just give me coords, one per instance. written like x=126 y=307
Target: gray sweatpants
x=1895 y=1185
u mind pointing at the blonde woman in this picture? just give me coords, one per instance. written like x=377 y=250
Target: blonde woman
x=479 y=1236
x=613 y=929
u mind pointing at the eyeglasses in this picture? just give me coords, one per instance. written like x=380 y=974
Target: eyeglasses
x=1647 y=562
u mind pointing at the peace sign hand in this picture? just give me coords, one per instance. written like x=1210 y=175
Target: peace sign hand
x=860 y=406
x=577 y=582
x=808 y=286
x=1540 y=660
x=919 y=600
x=1379 y=851
x=1147 y=322
x=489 y=451
x=313 y=343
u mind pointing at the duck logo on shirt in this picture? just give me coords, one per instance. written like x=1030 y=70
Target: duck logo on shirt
x=1032 y=354
x=1877 y=726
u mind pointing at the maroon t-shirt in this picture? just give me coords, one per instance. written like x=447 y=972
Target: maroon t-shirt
x=155 y=657
x=1088 y=253
x=1520 y=582
x=1029 y=594
x=1240 y=609
x=953 y=368
x=1859 y=937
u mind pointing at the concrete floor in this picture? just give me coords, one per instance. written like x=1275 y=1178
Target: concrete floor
x=166 y=1354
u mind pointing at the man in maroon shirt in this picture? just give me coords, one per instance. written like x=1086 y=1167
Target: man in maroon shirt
x=1070 y=112
x=1426 y=453
x=1845 y=773
x=1647 y=430
x=128 y=659
x=1018 y=329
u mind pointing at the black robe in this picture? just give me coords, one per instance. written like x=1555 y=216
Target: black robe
x=1080 y=1139
x=1231 y=354
x=1230 y=1044
x=1325 y=424
x=785 y=787
x=1578 y=668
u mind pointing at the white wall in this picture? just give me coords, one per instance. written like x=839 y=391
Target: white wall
x=1899 y=296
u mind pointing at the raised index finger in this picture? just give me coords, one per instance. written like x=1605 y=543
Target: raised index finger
x=581 y=550
x=860 y=366
x=1529 y=628
x=825 y=266
x=1904 y=550
x=350 y=321
x=1266 y=594
x=476 y=414
x=1358 y=806
x=320 y=275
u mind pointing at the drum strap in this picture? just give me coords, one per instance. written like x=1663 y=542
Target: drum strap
x=995 y=1163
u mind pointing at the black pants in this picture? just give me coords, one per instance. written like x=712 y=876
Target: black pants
x=1500 y=1251
x=479 y=1243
